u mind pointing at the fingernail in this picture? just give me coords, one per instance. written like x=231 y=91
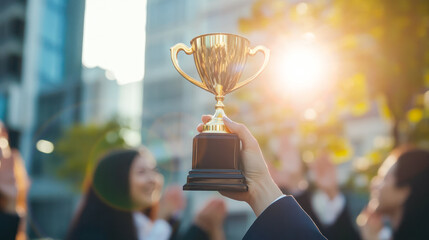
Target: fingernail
x=227 y=119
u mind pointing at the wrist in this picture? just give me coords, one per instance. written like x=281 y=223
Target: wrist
x=263 y=194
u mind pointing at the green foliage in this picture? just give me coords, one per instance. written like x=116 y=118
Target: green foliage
x=384 y=42
x=420 y=131
x=81 y=147
x=382 y=52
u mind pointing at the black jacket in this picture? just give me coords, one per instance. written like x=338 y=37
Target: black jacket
x=8 y=226
x=284 y=219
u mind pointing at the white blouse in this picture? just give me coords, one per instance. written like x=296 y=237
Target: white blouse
x=148 y=230
x=327 y=210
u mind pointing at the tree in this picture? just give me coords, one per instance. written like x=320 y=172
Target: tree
x=82 y=145
x=385 y=42
x=381 y=50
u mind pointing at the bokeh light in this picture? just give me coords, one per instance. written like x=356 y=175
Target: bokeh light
x=303 y=67
x=45 y=146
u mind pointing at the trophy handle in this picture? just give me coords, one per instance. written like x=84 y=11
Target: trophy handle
x=253 y=52
x=174 y=51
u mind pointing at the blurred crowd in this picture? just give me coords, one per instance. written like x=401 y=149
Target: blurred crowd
x=126 y=198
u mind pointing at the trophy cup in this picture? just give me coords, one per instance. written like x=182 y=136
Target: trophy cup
x=219 y=59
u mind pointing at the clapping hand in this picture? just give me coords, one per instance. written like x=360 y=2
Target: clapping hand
x=211 y=217
x=172 y=201
x=370 y=223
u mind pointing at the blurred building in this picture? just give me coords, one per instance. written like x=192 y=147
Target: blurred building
x=12 y=24
x=99 y=97
x=172 y=107
x=53 y=64
x=40 y=89
x=103 y=99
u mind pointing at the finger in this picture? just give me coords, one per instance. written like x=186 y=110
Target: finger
x=218 y=202
x=233 y=195
x=206 y=118
x=200 y=127
x=249 y=142
x=222 y=204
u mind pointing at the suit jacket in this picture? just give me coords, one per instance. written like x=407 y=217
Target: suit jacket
x=193 y=233
x=8 y=226
x=342 y=228
x=284 y=219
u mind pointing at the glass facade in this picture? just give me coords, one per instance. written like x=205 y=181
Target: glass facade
x=58 y=61
x=52 y=44
x=12 y=25
x=3 y=106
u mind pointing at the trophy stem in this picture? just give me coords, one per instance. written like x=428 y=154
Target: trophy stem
x=219 y=104
x=216 y=125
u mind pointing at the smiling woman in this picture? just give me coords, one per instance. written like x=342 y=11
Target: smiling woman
x=122 y=200
x=114 y=37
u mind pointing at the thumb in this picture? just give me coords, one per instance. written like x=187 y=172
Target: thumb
x=249 y=142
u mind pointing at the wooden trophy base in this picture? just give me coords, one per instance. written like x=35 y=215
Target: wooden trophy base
x=216 y=164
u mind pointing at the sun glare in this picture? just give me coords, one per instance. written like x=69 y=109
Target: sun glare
x=114 y=38
x=303 y=67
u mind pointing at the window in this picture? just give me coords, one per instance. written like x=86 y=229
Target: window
x=53 y=26
x=52 y=48
x=51 y=65
x=4 y=101
x=13 y=65
x=16 y=28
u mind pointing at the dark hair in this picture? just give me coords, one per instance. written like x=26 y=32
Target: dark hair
x=106 y=210
x=412 y=170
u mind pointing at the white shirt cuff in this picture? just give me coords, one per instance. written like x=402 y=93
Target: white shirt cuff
x=282 y=196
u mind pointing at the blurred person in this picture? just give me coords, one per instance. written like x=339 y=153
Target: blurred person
x=400 y=195
x=172 y=201
x=278 y=216
x=14 y=185
x=208 y=223
x=323 y=201
x=124 y=201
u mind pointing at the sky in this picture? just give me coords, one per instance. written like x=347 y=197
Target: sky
x=114 y=38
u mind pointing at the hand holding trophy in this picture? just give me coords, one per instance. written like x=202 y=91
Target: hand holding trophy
x=220 y=59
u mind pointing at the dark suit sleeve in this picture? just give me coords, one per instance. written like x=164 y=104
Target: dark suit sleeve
x=8 y=226
x=284 y=219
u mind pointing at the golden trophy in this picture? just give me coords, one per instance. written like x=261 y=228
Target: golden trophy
x=220 y=59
